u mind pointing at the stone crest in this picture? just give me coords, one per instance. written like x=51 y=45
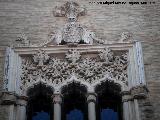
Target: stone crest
x=73 y=32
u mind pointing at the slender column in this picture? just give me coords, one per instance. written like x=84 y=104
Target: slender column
x=136 y=109
x=57 y=100
x=91 y=99
x=21 y=108
x=127 y=113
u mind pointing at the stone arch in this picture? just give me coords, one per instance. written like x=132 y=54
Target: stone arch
x=107 y=78
x=109 y=99
x=39 y=101
x=74 y=79
x=37 y=83
x=74 y=100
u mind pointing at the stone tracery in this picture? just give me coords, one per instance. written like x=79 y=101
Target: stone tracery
x=56 y=71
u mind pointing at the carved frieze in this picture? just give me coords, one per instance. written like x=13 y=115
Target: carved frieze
x=88 y=69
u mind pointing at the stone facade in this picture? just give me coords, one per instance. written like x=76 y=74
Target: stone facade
x=35 y=19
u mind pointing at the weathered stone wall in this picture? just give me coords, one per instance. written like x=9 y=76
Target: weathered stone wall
x=36 y=20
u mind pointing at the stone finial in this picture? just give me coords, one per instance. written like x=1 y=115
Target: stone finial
x=40 y=57
x=125 y=37
x=71 y=10
x=22 y=40
x=73 y=55
x=106 y=55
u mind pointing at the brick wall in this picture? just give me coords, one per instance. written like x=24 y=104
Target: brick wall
x=36 y=20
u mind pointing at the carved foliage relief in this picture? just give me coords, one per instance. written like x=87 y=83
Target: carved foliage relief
x=42 y=67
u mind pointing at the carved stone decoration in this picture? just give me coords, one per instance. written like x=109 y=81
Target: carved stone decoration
x=73 y=32
x=57 y=71
x=106 y=55
x=22 y=41
x=139 y=92
x=8 y=98
x=71 y=10
x=125 y=37
x=40 y=58
x=73 y=55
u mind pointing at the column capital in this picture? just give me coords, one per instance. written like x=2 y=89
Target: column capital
x=8 y=98
x=57 y=98
x=126 y=96
x=91 y=97
x=139 y=92
x=22 y=100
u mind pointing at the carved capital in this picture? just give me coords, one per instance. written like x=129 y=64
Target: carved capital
x=57 y=98
x=139 y=92
x=8 y=98
x=91 y=97
x=126 y=96
x=22 y=100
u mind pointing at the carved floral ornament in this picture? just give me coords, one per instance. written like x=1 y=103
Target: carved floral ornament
x=55 y=71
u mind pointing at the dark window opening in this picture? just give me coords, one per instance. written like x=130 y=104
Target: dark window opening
x=40 y=105
x=109 y=105
x=74 y=104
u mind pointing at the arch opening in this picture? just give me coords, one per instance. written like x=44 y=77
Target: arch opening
x=40 y=103
x=74 y=104
x=109 y=100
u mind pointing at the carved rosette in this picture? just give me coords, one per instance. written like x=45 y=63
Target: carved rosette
x=54 y=71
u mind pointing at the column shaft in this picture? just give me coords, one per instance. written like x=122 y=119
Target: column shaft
x=21 y=112
x=57 y=111
x=21 y=108
x=57 y=100
x=91 y=98
x=91 y=111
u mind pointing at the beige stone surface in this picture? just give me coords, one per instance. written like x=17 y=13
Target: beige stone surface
x=35 y=19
